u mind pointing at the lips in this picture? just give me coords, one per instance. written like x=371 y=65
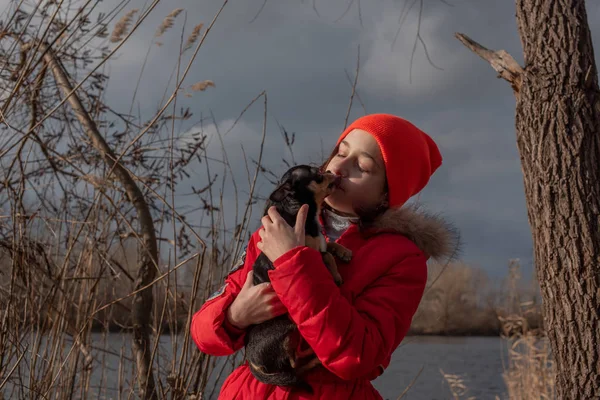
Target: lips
x=338 y=188
x=334 y=181
x=337 y=183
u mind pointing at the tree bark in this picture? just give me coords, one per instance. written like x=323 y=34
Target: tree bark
x=143 y=299
x=558 y=137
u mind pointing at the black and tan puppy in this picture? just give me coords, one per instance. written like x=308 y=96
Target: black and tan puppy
x=272 y=347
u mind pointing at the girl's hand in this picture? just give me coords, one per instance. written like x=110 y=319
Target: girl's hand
x=254 y=304
x=277 y=237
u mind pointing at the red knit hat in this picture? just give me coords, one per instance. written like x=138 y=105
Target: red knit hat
x=409 y=154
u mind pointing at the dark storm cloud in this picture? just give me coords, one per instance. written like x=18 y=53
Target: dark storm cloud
x=300 y=57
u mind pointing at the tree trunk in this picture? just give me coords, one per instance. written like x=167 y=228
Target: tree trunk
x=558 y=137
x=142 y=303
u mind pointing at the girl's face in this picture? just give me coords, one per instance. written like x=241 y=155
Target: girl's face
x=360 y=164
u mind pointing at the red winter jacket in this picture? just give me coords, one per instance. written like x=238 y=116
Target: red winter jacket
x=353 y=329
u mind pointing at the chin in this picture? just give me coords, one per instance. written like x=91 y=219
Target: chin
x=338 y=205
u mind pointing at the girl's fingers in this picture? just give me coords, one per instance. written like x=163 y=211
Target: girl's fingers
x=276 y=308
x=301 y=220
x=249 y=280
x=266 y=220
x=274 y=215
x=264 y=288
x=274 y=300
x=276 y=311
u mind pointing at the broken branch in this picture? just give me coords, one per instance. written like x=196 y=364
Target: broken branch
x=500 y=60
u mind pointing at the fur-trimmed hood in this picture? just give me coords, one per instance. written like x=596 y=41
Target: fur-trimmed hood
x=432 y=234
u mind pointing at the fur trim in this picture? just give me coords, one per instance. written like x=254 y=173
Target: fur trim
x=432 y=234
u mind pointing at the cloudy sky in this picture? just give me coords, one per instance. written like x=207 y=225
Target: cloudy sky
x=299 y=57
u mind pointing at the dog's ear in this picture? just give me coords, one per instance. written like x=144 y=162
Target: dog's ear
x=281 y=192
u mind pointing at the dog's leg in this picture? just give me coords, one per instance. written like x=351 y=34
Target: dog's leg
x=339 y=251
x=261 y=370
x=308 y=366
x=314 y=242
x=332 y=267
x=300 y=354
x=290 y=344
x=304 y=353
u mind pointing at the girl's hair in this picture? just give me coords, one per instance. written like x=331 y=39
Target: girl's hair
x=366 y=216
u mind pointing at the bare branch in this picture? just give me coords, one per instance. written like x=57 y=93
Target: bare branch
x=262 y=6
x=314 y=6
x=403 y=14
x=362 y=104
x=500 y=60
x=346 y=11
x=353 y=88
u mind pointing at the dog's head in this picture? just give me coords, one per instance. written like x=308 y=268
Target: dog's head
x=305 y=185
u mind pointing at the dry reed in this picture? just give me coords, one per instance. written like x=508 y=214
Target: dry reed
x=167 y=23
x=457 y=386
x=193 y=37
x=529 y=371
x=122 y=26
x=70 y=243
x=201 y=86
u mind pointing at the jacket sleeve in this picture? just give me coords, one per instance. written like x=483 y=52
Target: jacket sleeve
x=209 y=329
x=350 y=339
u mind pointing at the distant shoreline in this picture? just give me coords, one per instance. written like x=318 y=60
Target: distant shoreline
x=116 y=329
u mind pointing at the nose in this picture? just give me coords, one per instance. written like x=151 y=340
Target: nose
x=339 y=170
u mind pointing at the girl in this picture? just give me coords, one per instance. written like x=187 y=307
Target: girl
x=382 y=160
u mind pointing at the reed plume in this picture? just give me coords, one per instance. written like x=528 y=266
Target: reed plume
x=122 y=26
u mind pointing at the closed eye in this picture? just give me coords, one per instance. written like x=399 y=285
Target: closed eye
x=357 y=163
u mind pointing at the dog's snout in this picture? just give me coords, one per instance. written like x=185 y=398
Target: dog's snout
x=331 y=180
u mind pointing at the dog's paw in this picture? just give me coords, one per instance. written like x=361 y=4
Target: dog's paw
x=345 y=255
x=338 y=279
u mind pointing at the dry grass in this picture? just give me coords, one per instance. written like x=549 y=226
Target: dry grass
x=462 y=300
x=201 y=86
x=457 y=386
x=122 y=26
x=529 y=371
x=70 y=239
x=167 y=23
x=193 y=37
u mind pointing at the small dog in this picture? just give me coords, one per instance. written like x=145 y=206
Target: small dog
x=273 y=347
